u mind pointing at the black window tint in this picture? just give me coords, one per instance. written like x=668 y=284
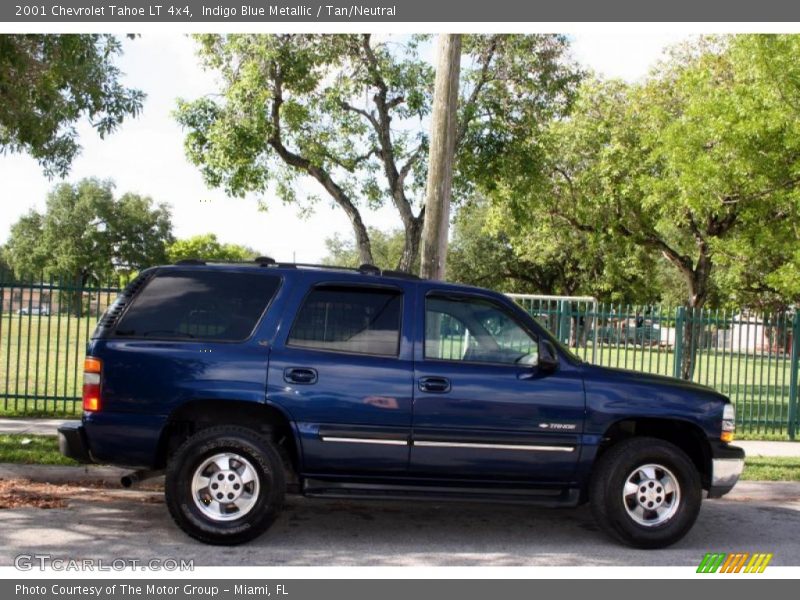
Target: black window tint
x=347 y=319
x=206 y=305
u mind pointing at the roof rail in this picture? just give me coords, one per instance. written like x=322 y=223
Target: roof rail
x=398 y=274
x=266 y=261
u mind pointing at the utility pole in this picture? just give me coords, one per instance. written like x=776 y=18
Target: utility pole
x=440 y=166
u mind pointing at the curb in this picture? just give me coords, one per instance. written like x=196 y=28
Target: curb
x=88 y=474
x=764 y=491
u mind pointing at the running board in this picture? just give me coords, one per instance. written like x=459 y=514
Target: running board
x=317 y=488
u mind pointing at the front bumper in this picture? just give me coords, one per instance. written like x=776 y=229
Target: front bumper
x=727 y=463
x=72 y=442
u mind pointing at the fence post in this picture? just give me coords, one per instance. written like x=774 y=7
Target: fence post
x=680 y=318
x=794 y=366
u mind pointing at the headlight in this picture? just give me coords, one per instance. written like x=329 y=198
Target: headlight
x=728 y=423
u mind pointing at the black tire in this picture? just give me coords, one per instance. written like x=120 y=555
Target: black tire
x=611 y=473
x=246 y=443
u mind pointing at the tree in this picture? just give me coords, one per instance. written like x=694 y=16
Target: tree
x=48 y=82
x=207 y=247
x=483 y=256
x=762 y=267
x=387 y=249
x=690 y=165
x=5 y=268
x=349 y=113
x=86 y=234
x=539 y=253
x=442 y=149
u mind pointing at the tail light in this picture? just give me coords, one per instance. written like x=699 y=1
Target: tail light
x=92 y=375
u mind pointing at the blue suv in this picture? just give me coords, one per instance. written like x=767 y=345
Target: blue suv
x=242 y=382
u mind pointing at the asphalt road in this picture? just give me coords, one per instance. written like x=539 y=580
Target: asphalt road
x=135 y=524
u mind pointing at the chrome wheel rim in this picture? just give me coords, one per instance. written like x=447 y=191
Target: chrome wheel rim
x=225 y=487
x=651 y=495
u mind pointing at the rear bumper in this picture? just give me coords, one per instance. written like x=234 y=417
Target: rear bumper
x=727 y=463
x=72 y=442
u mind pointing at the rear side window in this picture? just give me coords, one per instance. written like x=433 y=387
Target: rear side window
x=203 y=305
x=349 y=319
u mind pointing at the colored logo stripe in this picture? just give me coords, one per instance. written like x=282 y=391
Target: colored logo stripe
x=711 y=562
x=758 y=563
x=722 y=562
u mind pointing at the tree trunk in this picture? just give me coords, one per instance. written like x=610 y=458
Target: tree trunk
x=692 y=332
x=77 y=294
x=693 y=326
x=363 y=243
x=410 y=257
x=321 y=175
x=442 y=150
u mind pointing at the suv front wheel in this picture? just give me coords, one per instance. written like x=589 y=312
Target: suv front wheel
x=225 y=485
x=645 y=492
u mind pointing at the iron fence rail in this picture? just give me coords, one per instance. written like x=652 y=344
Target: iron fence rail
x=44 y=328
x=752 y=358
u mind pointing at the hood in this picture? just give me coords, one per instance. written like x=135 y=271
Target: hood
x=662 y=382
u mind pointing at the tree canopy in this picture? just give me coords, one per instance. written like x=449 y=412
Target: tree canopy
x=87 y=234
x=698 y=164
x=539 y=253
x=48 y=82
x=387 y=248
x=349 y=112
x=207 y=247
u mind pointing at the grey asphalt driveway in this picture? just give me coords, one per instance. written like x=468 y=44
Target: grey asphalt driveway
x=133 y=524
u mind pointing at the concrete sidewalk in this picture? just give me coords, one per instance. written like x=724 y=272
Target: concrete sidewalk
x=31 y=426
x=758 y=448
x=49 y=426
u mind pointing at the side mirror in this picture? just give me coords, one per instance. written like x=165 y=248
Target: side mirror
x=548 y=357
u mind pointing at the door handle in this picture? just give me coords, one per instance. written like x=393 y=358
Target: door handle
x=435 y=385
x=301 y=375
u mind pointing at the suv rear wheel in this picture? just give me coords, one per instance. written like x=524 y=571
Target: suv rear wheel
x=645 y=492
x=225 y=485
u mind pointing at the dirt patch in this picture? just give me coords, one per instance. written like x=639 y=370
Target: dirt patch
x=21 y=493
x=16 y=494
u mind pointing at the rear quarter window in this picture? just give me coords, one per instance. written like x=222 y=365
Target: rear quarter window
x=354 y=320
x=202 y=305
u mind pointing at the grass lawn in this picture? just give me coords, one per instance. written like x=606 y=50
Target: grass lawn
x=41 y=357
x=772 y=468
x=40 y=408
x=32 y=450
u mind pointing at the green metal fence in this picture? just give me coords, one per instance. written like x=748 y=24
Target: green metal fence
x=753 y=358
x=750 y=357
x=44 y=328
